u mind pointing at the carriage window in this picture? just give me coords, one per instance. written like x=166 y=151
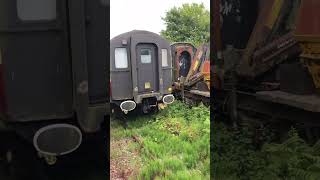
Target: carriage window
x=145 y=56
x=164 y=55
x=31 y=10
x=121 y=58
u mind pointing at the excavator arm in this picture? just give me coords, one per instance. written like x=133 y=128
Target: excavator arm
x=271 y=41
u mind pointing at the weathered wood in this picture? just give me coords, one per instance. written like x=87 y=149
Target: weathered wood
x=306 y=102
x=201 y=93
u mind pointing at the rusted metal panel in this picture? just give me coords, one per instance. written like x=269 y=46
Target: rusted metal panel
x=205 y=69
x=216 y=28
x=272 y=54
x=276 y=7
x=308 y=34
x=308 y=23
x=199 y=73
x=258 y=35
x=178 y=49
x=268 y=44
x=275 y=46
x=197 y=63
x=199 y=70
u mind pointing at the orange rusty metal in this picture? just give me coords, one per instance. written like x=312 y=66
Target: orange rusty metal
x=179 y=49
x=216 y=26
x=199 y=67
x=308 y=23
x=308 y=34
x=196 y=63
x=268 y=14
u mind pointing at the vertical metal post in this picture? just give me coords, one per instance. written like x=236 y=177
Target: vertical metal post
x=182 y=87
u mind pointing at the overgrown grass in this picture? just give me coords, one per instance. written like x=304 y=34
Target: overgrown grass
x=235 y=156
x=173 y=144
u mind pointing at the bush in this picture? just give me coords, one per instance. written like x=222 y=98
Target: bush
x=174 y=143
x=236 y=157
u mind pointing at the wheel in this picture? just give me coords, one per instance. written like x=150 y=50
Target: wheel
x=145 y=109
x=21 y=160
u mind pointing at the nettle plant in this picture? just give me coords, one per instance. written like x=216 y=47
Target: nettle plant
x=237 y=157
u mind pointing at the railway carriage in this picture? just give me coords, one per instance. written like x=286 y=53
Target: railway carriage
x=141 y=71
x=53 y=71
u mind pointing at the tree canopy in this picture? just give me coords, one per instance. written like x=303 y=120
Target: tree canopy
x=188 y=23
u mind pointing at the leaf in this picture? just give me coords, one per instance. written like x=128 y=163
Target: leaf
x=189 y=23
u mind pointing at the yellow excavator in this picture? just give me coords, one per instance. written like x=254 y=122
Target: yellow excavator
x=191 y=72
x=267 y=64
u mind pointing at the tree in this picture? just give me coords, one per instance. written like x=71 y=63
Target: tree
x=189 y=23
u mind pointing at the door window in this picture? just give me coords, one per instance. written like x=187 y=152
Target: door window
x=121 y=58
x=145 y=56
x=32 y=10
x=164 y=57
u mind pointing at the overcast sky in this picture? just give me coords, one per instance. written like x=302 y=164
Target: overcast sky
x=127 y=15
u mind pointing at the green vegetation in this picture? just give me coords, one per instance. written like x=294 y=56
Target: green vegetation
x=189 y=23
x=172 y=144
x=237 y=157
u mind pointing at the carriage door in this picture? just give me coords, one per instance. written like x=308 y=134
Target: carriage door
x=34 y=44
x=147 y=68
x=97 y=50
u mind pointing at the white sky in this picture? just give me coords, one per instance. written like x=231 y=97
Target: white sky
x=127 y=15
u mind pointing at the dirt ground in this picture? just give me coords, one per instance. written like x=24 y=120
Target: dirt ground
x=124 y=159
